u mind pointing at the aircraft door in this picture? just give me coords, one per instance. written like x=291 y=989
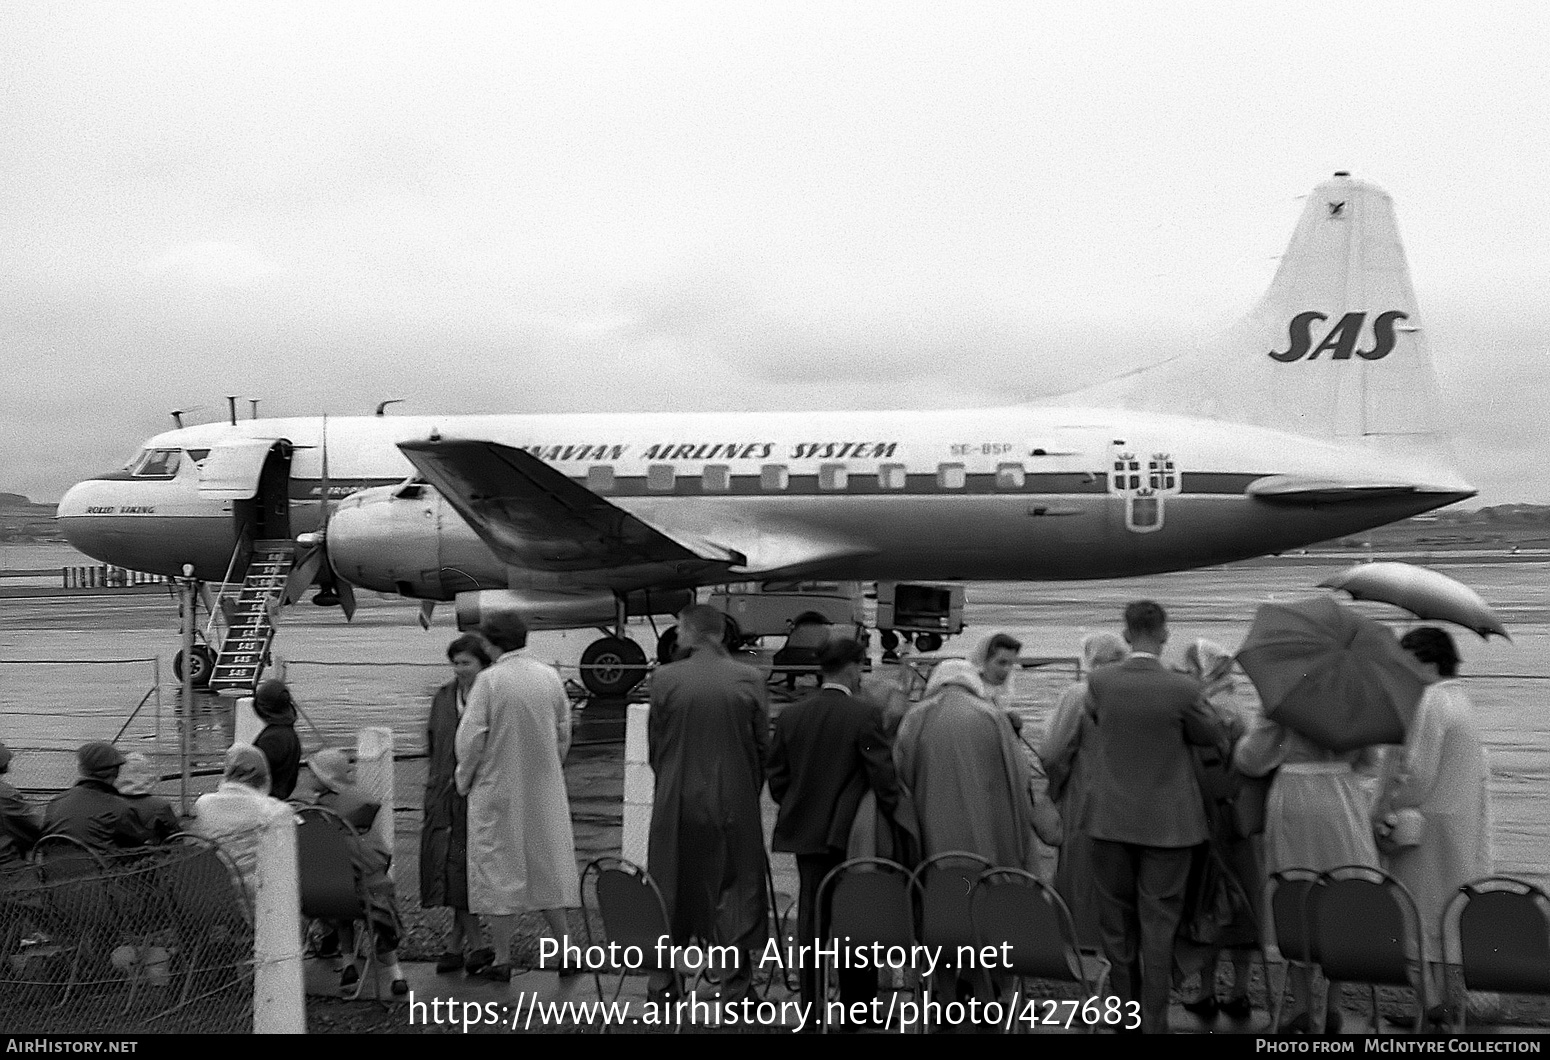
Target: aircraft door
x=254 y=475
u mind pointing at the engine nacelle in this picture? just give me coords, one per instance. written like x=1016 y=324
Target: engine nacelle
x=406 y=539
x=565 y=610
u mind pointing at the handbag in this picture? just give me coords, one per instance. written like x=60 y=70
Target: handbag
x=1218 y=902
x=1248 y=805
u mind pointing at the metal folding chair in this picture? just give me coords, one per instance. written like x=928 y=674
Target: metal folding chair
x=631 y=910
x=1497 y=930
x=942 y=884
x=866 y=901
x=1286 y=895
x=330 y=889
x=210 y=908
x=77 y=905
x=1015 y=909
x=1364 y=927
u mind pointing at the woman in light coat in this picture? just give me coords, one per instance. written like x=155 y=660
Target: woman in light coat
x=1441 y=777
x=234 y=815
x=1316 y=817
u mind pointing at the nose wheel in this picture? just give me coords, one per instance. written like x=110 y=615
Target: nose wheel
x=202 y=662
x=610 y=667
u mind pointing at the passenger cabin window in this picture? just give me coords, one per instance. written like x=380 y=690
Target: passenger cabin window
x=891 y=477
x=660 y=478
x=600 y=478
x=774 y=477
x=158 y=463
x=831 y=477
x=1010 y=476
x=951 y=476
x=716 y=478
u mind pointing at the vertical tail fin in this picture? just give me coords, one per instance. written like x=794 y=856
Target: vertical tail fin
x=1334 y=350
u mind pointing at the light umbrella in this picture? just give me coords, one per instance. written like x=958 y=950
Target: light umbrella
x=1424 y=593
x=1332 y=674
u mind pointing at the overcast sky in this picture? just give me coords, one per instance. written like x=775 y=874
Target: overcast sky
x=589 y=207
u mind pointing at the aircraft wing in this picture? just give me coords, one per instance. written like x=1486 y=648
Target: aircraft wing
x=532 y=515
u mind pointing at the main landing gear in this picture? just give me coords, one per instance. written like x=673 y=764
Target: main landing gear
x=203 y=665
x=610 y=667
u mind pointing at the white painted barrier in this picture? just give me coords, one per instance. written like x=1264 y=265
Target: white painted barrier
x=639 y=785
x=248 y=723
x=279 y=1003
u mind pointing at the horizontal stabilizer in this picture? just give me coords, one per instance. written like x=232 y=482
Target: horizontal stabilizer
x=532 y=515
x=1300 y=489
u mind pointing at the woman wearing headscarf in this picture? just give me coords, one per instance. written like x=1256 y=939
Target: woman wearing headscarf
x=277 y=740
x=235 y=814
x=1438 y=794
x=1068 y=790
x=957 y=755
x=1227 y=862
x=995 y=659
x=444 y=833
x=329 y=782
x=1316 y=817
x=154 y=814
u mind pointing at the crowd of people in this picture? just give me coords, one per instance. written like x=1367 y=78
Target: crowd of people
x=1170 y=803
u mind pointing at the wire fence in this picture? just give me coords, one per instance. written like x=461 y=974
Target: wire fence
x=155 y=942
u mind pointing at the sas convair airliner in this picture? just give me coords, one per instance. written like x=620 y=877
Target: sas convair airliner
x=1316 y=416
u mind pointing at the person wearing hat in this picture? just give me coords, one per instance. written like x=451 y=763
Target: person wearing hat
x=93 y=812
x=20 y=824
x=277 y=740
x=236 y=813
x=137 y=782
x=329 y=781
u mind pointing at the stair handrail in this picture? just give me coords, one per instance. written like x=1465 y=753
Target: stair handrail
x=215 y=611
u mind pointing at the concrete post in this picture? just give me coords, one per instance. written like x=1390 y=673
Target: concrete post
x=374 y=778
x=279 y=1003
x=639 y=785
x=248 y=725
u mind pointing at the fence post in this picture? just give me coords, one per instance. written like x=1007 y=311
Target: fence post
x=639 y=785
x=279 y=1003
x=247 y=724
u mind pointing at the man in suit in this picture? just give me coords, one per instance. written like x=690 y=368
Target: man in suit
x=827 y=751
x=707 y=737
x=1145 y=814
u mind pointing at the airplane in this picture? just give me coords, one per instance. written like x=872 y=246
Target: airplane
x=1316 y=416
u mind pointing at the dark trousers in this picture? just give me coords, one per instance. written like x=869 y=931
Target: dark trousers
x=855 y=984
x=1140 y=901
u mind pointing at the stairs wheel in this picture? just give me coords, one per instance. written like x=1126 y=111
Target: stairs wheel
x=203 y=663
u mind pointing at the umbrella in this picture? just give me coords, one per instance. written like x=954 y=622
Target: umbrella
x=1332 y=674
x=1424 y=593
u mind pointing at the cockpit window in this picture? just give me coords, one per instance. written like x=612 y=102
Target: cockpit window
x=157 y=463
x=198 y=456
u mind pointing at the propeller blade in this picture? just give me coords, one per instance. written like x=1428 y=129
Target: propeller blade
x=427 y=608
x=346 y=593
x=303 y=573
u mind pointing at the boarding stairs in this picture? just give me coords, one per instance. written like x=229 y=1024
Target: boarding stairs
x=245 y=649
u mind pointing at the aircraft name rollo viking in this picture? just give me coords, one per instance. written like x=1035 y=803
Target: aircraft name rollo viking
x=583 y=520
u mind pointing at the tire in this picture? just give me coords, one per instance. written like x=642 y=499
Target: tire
x=928 y=641
x=667 y=645
x=612 y=666
x=204 y=664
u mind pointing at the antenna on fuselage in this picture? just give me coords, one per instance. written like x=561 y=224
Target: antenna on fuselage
x=254 y=403
x=231 y=406
x=382 y=405
x=177 y=418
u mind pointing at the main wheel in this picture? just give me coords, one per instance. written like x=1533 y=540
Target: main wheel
x=612 y=666
x=928 y=641
x=203 y=664
x=667 y=645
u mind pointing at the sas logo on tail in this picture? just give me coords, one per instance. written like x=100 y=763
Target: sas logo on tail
x=1341 y=339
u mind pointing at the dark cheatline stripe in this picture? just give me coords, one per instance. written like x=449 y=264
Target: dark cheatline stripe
x=858 y=484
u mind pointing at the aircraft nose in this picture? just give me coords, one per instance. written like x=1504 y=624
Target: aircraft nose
x=74 y=517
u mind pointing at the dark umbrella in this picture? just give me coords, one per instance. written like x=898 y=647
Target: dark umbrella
x=1332 y=674
x=1424 y=593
